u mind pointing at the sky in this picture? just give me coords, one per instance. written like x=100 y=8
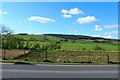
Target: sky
x=97 y=19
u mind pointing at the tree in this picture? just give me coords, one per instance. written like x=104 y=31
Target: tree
x=28 y=45
x=20 y=44
x=11 y=42
x=36 y=46
x=5 y=31
x=45 y=48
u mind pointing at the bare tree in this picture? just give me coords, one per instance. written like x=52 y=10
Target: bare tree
x=4 y=31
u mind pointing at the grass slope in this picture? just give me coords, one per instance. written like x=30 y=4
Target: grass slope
x=72 y=42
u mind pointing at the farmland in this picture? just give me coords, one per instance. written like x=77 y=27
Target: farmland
x=80 y=49
x=69 y=44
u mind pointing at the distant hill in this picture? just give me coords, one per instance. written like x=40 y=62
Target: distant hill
x=78 y=37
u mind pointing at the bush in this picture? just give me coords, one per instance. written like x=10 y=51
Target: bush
x=83 y=49
x=38 y=61
x=26 y=59
x=47 y=61
x=4 y=59
x=76 y=62
x=99 y=48
x=66 y=61
x=86 y=62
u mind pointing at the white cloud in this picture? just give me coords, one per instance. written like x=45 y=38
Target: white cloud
x=67 y=16
x=88 y=19
x=98 y=28
x=109 y=36
x=96 y=36
x=110 y=26
x=113 y=32
x=72 y=11
x=64 y=11
x=75 y=11
x=40 y=19
x=3 y=12
x=37 y=33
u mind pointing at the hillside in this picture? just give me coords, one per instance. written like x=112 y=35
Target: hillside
x=78 y=37
x=71 y=42
x=73 y=48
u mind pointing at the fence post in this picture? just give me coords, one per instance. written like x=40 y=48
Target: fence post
x=108 y=58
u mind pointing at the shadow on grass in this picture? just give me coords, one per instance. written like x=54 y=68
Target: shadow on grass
x=113 y=62
x=22 y=63
x=83 y=62
x=47 y=61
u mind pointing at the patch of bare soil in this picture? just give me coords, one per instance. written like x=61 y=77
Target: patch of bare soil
x=12 y=53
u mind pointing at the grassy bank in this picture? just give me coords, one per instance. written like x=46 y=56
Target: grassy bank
x=51 y=63
x=59 y=56
x=73 y=56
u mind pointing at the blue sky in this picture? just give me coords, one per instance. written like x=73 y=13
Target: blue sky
x=79 y=18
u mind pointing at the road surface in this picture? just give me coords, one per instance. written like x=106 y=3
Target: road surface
x=10 y=70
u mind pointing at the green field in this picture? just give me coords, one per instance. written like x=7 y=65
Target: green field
x=73 y=49
x=70 y=44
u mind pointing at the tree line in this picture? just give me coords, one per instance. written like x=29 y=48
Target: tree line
x=9 y=41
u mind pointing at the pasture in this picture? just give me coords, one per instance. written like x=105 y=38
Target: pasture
x=70 y=51
x=68 y=44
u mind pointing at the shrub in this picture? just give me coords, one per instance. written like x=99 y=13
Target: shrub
x=26 y=59
x=66 y=61
x=99 y=48
x=47 y=61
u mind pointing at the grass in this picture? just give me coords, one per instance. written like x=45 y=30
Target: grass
x=71 y=51
x=51 y=63
x=72 y=56
x=38 y=38
x=68 y=45
x=63 y=57
x=87 y=46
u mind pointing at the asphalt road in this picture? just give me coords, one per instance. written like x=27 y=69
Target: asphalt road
x=59 y=71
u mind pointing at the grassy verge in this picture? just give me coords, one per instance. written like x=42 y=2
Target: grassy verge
x=13 y=61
